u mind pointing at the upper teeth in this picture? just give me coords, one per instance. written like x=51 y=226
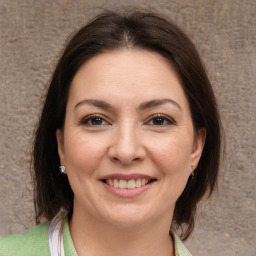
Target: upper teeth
x=129 y=184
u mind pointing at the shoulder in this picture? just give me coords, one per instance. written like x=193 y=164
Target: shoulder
x=32 y=242
x=180 y=249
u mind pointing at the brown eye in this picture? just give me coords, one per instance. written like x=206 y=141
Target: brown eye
x=93 y=121
x=96 y=121
x=160 y=121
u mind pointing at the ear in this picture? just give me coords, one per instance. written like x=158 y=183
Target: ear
x=60 y=142
x=198 y=147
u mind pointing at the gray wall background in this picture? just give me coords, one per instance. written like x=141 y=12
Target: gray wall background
x=32 y=33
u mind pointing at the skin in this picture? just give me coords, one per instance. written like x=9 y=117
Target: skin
x=127 y=135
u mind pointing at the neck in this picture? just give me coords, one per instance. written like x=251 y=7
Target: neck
x=92 y=237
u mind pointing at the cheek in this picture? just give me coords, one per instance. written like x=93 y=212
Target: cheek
x=84 y=153
x=172 y=161
x=172 y=155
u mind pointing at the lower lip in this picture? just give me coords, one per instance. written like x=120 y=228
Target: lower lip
x=127 y=193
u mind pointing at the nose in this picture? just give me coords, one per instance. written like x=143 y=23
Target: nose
x=127 y=146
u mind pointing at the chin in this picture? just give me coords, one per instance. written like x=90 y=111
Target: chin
x=129 y=217
x=127 y=222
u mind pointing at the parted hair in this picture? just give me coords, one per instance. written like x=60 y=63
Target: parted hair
x=112 y=31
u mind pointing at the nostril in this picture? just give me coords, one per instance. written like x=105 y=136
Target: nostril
x=124 y=160
x=115 y=159
x=126 y=150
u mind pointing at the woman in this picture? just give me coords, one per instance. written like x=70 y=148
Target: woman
x=131 y=121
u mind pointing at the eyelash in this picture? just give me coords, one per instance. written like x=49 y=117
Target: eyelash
x=165 y=121
x=87 y=119
x=164 y=118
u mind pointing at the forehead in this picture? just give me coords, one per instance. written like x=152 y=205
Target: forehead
x=127 y=73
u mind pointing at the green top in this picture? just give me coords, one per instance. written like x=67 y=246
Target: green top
x=35 y=242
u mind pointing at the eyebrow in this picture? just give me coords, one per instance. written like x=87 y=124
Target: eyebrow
x=144 y=105
x=158 y=102
x=97 y=103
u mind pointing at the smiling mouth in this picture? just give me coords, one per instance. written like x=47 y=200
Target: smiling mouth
x=128 y=184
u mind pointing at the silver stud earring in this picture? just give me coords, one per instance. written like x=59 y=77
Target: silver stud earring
x=193 y=170
x=62 y=169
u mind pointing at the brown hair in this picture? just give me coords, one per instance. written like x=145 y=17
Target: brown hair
x=110 y=31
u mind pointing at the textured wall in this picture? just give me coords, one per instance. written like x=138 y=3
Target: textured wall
x=31 y=35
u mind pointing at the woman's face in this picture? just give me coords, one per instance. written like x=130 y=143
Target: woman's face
x=128 y=142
